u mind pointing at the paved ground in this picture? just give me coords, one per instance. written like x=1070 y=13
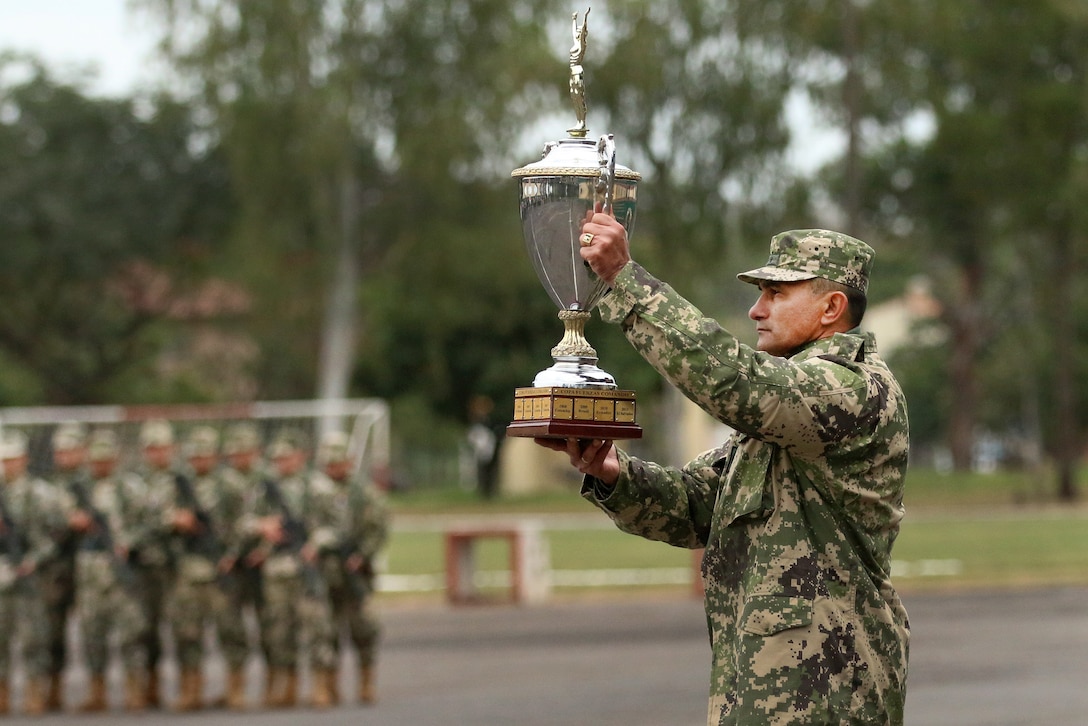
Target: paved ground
x=994 y=659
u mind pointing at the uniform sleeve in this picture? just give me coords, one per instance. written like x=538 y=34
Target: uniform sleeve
x=50 y=526
x=802 y=404
x=665 y=504
x=372 y=529
x=322 y=520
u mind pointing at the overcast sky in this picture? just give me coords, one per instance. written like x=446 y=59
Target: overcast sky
x=71 y=33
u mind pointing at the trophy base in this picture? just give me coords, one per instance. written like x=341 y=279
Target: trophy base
x=574 y=413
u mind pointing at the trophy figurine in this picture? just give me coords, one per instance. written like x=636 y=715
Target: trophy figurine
x=574 y=398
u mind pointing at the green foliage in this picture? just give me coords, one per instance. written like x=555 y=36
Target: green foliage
x=109 y=221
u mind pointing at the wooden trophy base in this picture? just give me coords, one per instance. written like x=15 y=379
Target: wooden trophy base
x=574 y=413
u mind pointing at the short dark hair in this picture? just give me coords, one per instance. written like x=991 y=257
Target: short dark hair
x=856 y=301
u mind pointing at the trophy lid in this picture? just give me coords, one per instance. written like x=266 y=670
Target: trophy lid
x=572 y=157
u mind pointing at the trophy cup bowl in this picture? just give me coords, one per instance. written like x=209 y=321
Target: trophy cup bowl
x=574 y=398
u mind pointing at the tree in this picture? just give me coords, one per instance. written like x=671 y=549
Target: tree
x=109 y=218
x=995 y=192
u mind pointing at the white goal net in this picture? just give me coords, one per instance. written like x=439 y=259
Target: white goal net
x=365 y=420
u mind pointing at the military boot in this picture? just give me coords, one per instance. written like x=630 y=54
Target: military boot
x=135 y=692
x=275 y=688
x=34 y=698
x=96 y=699
x=54 y=699
x=290 y=688
x=322 y=695
x=367 y=692
x=190 y=691
x=151 y=689
x=236 y=690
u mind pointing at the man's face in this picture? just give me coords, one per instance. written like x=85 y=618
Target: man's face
x=203 y=463
x=338 y=470
x=158 y=456
x=242 y=460
x=101 y=468
x=787 y=316
x=15 y=467
x=289 y=464
x=69 y=459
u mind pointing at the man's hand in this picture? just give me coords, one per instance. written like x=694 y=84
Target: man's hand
x=80 y=521
x=607 y=251
x=271 y=529
x=595 y=457
x=185 y=521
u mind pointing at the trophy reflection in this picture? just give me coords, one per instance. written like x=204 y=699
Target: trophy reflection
x=574 y=398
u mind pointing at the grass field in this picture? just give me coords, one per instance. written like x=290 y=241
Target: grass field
x=961 y=531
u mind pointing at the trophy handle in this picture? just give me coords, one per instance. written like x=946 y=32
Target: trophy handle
x=606 y=159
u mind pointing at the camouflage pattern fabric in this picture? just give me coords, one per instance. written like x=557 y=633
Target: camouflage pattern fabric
x=104 y=602
x=364 y=528
x=804 y=254
x=289 y=613
x=36 y=512
x=797 y=511
x=198 y=596
x=247 y=589
x=156 y=562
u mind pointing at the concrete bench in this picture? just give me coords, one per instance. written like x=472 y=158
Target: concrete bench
x=528 y=558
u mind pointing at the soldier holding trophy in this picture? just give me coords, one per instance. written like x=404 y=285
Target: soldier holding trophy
x=797 y=510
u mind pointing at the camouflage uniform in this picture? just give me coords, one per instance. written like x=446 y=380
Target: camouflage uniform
x=243 y=472
x=294 y=597
x=57 y=576
x=204 y=511
x=797 y=511
x=105 y=582
x=362 y=528
x=32 y=526
x=153 y=559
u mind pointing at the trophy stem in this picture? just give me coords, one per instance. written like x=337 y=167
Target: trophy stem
x=574 y=343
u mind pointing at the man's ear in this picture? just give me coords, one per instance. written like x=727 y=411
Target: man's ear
x=836 y=308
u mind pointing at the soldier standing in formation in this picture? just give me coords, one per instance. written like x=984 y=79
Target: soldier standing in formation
x=154 y=562
x=30 y=524
x=242 y=473
x=291 y=518
x=348 y=568
x=106 y=518
x=195 y=545
x=204 y=512
x=57 y=576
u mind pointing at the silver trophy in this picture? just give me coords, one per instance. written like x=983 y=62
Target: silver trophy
x=575 y=176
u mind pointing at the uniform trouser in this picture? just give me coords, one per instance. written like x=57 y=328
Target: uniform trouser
x=196 y=603
x=291 y=618
x=20 y=616
x=58 y=591
x=358 y=616
x=154 y=583
x=106 y=605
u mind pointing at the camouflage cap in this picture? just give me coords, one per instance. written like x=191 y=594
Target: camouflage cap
x=334 y=448
x=13 y=445
x=102 y=445
x=202 y=441
x=286 y=443
x=241 y=437
x=805 y=254
x=156 y=432
x=69 y=435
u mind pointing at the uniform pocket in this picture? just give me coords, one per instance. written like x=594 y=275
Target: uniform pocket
x=770 y=614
